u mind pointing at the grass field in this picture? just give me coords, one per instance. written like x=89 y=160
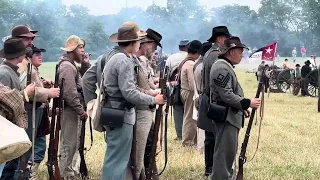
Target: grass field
x=288 y=150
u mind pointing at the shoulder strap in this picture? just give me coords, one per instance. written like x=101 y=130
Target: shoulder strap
x=64 y=60
x=179 y=69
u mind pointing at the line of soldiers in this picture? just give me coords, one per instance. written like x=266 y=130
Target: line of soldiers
x=128 y=88
x=19 y=53
x=203 y=77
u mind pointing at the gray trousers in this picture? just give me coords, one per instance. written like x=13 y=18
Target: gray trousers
x=69 y=143
x=116 y=160
x=226 y=144
x=143 y=125
x=178 y=119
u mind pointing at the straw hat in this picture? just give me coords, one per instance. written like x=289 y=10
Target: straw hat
x=72 y=43
x=136 y=28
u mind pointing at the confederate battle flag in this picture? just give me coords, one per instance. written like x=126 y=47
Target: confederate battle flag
x=266 y=53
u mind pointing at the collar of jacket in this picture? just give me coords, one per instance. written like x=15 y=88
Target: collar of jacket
x=12 y=66
x=222 y=57
x=118 y=49
x=214 y=46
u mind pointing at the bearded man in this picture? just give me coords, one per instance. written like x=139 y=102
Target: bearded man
x=74 y=108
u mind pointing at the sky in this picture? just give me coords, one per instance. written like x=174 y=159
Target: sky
x=102 y=7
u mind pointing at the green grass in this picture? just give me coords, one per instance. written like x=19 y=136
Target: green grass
x=288 y=150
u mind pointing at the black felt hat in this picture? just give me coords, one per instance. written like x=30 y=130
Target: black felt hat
x=195 y=46
x=218 y=31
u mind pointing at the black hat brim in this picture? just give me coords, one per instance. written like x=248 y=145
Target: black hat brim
x=212 y=38
x=14 y=55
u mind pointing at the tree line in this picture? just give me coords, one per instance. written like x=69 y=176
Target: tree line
x=294 y=23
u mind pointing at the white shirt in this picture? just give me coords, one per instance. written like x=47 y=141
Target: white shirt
x=174 y=60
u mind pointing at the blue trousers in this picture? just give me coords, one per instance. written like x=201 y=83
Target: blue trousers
x=39 y=149
x=116 y=160
x=9 y=172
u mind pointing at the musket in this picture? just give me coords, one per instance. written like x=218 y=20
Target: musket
x=151 y=170
x=54 y=133
x=83 y=165
x=242 y=156
x=23 y=161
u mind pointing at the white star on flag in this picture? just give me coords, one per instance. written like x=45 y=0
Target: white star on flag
x=269 y=50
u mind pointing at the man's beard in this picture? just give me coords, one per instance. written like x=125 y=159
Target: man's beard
x=149 y=54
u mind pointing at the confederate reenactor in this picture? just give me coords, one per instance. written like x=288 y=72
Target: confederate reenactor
x=144 y=114
x=14 y=52
x=260 y=69
x=197 y=69
x=305 y=70
x=73 y=108
x=227 y=93
x=119 y=86
x=296 y=79
x=189 y=128
x=173 y=62
x=153 y=38
x=286 y=64
x=219 y=35
x=42 y=94
x=40 y=142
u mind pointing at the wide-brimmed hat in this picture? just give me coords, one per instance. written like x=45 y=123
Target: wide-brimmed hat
x=125 y=34
x=195 y=46
x=205 y=47
x=154 y=35
x=72 y=43
x=218 y=31
x=22 y=31
x=184 y=42
x=231 y=43
x=13 y=48
x=307 y=62
x=136 y=28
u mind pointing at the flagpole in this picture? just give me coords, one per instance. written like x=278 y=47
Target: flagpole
x=275 y=53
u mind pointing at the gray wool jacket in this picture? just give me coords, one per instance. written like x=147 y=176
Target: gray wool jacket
x=224 y=87
x=119 y=82
x=91 y=80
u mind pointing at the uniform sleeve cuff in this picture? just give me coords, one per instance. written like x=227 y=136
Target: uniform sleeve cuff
x=245 y=103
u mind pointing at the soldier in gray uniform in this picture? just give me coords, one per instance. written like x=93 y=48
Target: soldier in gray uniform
x=119 y=86
x=219 y=35
x=227 y=93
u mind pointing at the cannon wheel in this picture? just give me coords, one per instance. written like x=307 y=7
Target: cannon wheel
x=273 y=80
x=284 y=81
x=313 y=87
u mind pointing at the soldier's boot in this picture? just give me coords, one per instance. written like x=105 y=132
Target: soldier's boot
x=208 y=171
x=33 y=171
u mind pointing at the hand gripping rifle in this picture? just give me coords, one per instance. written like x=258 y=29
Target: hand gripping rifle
x=151 y=170
x=263 y=83
x=58 y=103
